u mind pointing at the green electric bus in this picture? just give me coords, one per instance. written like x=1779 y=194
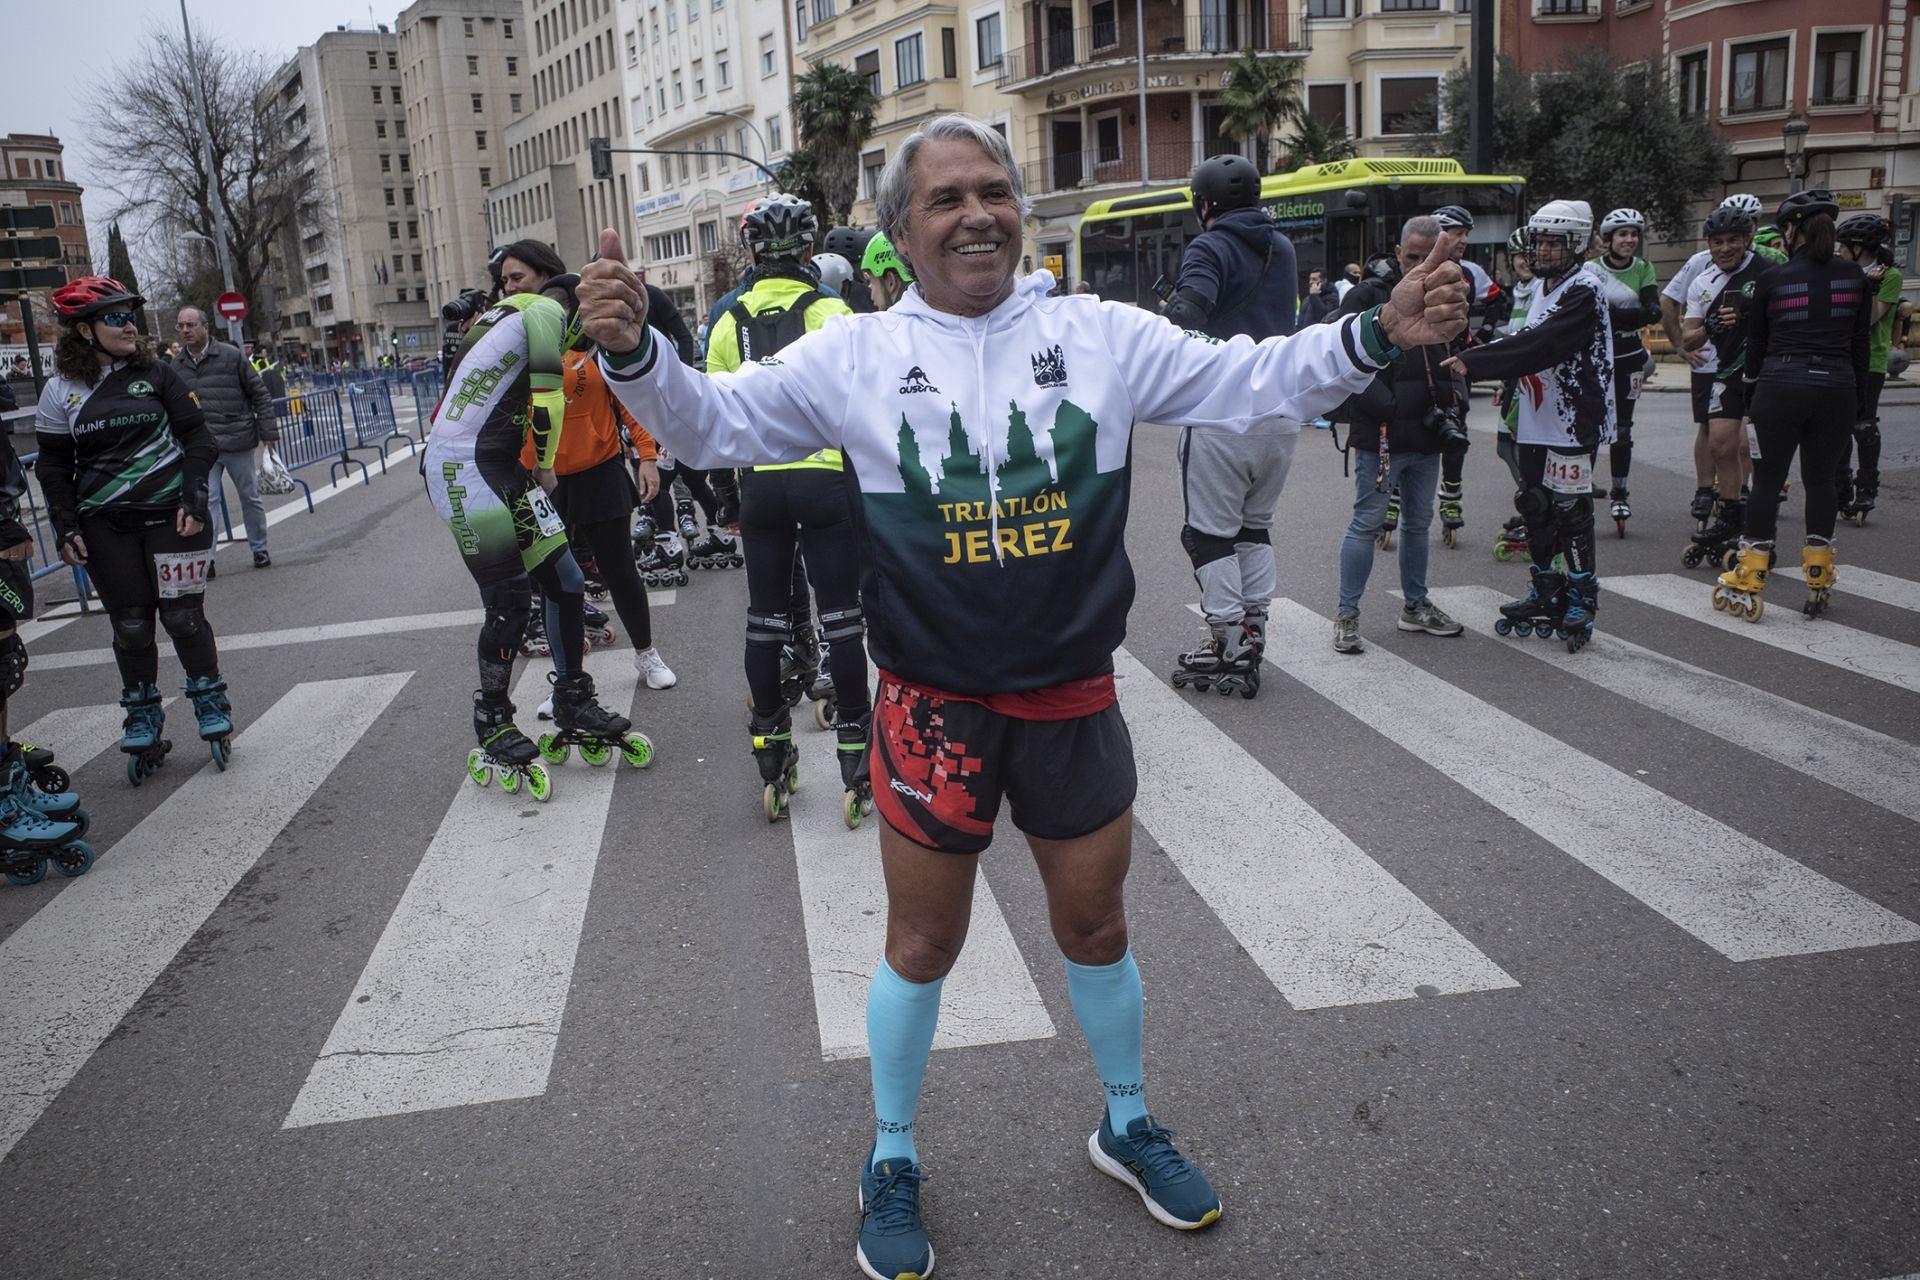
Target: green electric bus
x=1334 y=214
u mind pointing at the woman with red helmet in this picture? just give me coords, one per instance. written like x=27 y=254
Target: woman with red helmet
x=124 y=457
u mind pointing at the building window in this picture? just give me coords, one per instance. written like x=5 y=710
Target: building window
x=693 y=11
x=949 y=55
x=669 y=245
x=679 y=91
x=673 y=18
x=467 y=27
x=379 y=128
x=506 y=28
x=986 y=41
x=406 y=196
x=767 y=66
x=397 y=267
x=1412 y=6
x=1836 y=67
x=513 y=66
x=323 y=302
x=513 y=103
x=872 y=165
x=473 y=66
x=406 y=164
x=773 y=135
x=1693 y=84
x=646 y=181
x=1409 y=104
x=399 y=128
x=479 y=139
x=709 y=237
x=486 y=177
x=393 y=231
x=389 y=197
x=723 y=72
x=868 y=65
x=373 y=60
x=393 y=61
x=1106 y=24
x=699 y=78
x=376 y=93
x=1758 y=76
x=822 y=11
x=633 y=50
x=416 y=263
x=1567 y=8
x=1327 y=103
x=479 y=103
x=413 y=229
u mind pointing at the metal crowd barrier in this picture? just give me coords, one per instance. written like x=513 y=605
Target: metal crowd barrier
x=374 y=424
x=427 y=386
x=313 y=429
x=46 y=553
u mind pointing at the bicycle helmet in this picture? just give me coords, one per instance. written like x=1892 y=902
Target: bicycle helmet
x=778 y=226
x=848 y=242
x=1805 y=204
x=1453 y=218
x=834 y=271
x=880 y=257
x=1225 y=182
x=1747 y=206
x=1570 y=218
x=88 y=296
x=1623 y=220
x=1868 y=230
x=1725 y=219
x=1517 y=242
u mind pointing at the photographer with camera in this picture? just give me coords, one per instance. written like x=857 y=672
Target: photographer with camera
x=1399 y=427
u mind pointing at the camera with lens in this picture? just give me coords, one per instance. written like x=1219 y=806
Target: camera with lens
x=1448 y=421
x=469 y=304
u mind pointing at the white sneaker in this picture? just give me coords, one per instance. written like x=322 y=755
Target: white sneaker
x=546 y=708
x=651 y=665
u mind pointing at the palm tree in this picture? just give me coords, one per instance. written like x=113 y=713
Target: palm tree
x=1316 y=141
x=833 y=107
x=1261 y=98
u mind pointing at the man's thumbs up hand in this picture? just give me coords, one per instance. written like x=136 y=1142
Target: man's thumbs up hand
x=613 y=302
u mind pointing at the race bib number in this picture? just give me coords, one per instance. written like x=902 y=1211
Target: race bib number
x=544 y=516
x=1568 y=473
x=1753 y=442
x=1634 y=383
x=181 y=573
x=1713 y=397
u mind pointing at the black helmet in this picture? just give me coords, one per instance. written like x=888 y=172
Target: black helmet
x=1453 y=218
x=849 y=242
x=1723 y=220
x=1804 y=204
x=1226 y=182
x=1868 y=230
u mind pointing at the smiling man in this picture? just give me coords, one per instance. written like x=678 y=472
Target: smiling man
x=990 y=426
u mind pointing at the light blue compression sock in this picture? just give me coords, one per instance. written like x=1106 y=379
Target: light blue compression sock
x=901 y=1016
x=1111 y=1011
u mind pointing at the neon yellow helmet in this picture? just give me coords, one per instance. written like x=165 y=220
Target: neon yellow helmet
x=881 y=257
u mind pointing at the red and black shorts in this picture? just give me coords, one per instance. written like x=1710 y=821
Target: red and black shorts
x=942 y=764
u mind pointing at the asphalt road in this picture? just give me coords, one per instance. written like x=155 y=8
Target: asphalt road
x=1463 y=958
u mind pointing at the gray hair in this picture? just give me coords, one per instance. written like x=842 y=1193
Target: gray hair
x=1420 y=224
x=895 y=191
x=198 y=314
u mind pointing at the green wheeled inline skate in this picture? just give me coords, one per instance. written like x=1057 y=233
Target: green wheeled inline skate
x=584 y=723
x=140 y=737
x=777 y=759
x=855 y=769
x=504 y=751
x=215 y=714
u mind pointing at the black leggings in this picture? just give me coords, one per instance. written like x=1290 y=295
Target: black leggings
x=506 y=604
x=1816 y=421
x=809 y=509
x=1867 y=434
x=121 y=546
x=610 y=543
x=1620 y=452
x=1557 y=523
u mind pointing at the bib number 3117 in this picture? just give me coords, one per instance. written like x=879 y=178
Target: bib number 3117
x=181 y=573
x=1568 y=473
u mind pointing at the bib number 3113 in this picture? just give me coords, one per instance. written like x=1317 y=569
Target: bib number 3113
x=181 y=573
x=1569 y=473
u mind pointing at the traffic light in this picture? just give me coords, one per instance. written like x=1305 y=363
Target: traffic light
x=394 y=341
x=600 y=153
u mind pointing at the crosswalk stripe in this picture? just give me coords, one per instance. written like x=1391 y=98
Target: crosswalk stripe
x=989 y=997
x=1738 y=896
x=1851 y=580
x=1326 y=924
x=1821 y=639
x=462 y=999
x=97 y=946
x=1871 y=765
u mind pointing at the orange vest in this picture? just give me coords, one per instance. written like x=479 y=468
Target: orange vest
x=590 y=434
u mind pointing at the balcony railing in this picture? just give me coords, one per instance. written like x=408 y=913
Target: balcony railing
x=1169 y=162
x=1204 y=35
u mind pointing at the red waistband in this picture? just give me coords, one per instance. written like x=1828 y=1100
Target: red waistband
x=1069 y=701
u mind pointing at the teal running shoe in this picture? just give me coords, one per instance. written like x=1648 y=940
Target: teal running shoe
x=1175 y=1193
x=893 y=1244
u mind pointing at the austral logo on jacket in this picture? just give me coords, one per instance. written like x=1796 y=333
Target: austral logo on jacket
x=914 y=382
x=1050 y=367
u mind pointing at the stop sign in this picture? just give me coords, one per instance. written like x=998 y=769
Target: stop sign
x=231 y=306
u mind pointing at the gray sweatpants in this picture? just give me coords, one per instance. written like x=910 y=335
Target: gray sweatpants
x=1231 y=483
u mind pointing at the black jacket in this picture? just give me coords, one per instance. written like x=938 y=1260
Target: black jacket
x=1321 y=305
x=1239 y=274
x=1402 y=395
x=1830 y=305
x=233 y=399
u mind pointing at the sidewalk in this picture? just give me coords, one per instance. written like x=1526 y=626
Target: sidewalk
x=1670 y=378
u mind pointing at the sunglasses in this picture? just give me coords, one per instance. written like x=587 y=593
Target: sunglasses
x=115 y=319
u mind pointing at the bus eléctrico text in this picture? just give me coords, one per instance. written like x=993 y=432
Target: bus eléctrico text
x=1334 y=214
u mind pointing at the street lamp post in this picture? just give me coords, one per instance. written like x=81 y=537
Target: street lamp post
x=766 y=156
x=1793 y=141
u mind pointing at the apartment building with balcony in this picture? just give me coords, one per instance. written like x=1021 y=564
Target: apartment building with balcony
x=349 y=275
x=33 y=171
x=1831 y=80
x=576 y=93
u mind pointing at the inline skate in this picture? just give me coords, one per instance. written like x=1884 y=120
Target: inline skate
x=590 y=570
x=215 y=714
x=584 y=723
x=504 y=751
x=1718 y=541
x=1512 y=540
x=146 y=749
x=803 y=674
x=1229 y=661
x=666 y=565
x=600 y=632
x=1865 y=489
x=1582 y=597
x=1622 y=511
x=30 y=841
x=1391 y=522
x=1737 y=591
x=61 y=806
x=1452 y=511
x=1540 y=610
x=855 y=776
x=534 y=642
x=47 y=775
x=715 y=551
x=683 y=515
x=777 y=758
x=1816 y=561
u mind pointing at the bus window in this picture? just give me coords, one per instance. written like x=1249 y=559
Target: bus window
x=1346 y=242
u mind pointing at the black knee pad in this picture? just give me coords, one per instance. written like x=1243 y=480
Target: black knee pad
x=845 y=624
x=1245 y=536
x=507 y=605
x=183 y=616
x=13 y=667
x=1867 y=432
x=1204 y=548
x=769 y=630
x=1534 y=504
x=1573 y=513
x=132 y=629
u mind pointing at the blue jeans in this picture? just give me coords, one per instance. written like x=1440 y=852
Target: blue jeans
x=238 y=466
x=1417 y=475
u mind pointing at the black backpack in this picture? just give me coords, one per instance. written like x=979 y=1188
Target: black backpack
x=762 y=335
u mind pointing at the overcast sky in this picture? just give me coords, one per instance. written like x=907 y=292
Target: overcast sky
x=49 y=58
